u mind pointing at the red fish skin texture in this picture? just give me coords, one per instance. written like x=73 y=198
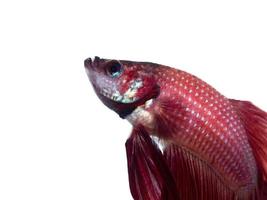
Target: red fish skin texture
x=204 y=121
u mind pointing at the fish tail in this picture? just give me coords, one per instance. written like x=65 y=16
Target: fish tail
x=255 y=123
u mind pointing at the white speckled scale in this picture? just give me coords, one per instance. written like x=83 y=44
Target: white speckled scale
x=204 y=122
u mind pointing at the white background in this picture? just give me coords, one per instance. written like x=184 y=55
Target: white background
x=57 y=140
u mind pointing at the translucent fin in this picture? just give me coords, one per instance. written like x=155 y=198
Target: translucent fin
x=255 y=123
x=149 y=176
x=167 y=110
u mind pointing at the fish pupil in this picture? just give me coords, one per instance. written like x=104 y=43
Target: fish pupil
x=114 y=69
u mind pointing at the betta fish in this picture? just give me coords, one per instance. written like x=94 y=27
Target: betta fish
x=188 y=141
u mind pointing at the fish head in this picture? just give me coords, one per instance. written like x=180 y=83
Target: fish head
x=121 y=85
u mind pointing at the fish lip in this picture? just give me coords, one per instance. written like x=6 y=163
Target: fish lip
x=91 y=63
x=96 y=59
x=87 y=62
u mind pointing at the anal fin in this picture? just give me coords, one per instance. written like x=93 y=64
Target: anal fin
x=197 y=180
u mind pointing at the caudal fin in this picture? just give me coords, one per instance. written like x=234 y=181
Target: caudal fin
x=255 y=123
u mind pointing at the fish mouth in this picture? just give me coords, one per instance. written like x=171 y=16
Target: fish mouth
x=87 y=62
x=91 y=63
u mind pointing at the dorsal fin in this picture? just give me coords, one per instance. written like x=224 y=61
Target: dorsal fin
x=255 y=123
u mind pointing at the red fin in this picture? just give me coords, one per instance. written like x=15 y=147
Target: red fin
x=149 y=176
x=255 y=123
x=166 y=110
x=196 y=180
x=263 y=189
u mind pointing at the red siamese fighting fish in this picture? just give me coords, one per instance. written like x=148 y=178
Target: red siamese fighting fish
x=188 y=141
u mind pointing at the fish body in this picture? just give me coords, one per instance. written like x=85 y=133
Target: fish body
x=203 y=121
x=212 y=147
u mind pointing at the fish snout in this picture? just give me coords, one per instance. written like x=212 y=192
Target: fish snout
x=89 y=63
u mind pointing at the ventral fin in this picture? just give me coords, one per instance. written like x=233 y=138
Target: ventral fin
x=149 y=176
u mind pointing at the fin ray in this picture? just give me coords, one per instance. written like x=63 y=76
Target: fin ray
x=196 y=180
x=149 y=176
x=255 y=123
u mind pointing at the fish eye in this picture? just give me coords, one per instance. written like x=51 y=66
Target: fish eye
x=114 y=69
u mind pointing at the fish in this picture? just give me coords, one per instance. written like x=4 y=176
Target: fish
x=188 y=141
